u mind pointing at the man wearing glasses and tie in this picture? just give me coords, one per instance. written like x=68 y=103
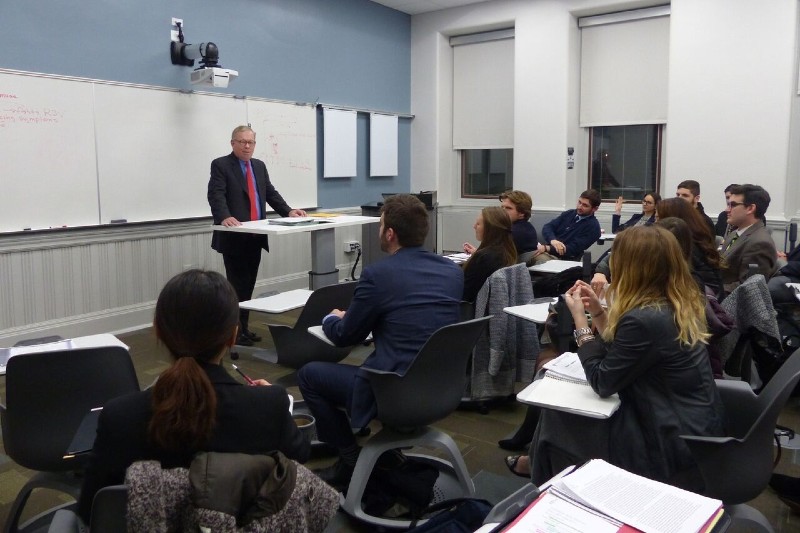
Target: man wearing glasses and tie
x=751 y=243
x=238 y=191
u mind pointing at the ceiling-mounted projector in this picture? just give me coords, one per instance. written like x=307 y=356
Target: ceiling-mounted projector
x=213 y=76
x=210 y=72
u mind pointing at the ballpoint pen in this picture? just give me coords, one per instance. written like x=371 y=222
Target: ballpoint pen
x=245 y=376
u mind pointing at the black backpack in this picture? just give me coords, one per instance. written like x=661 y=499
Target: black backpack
x=556 y=284
x=788 y=317
x=560 y=327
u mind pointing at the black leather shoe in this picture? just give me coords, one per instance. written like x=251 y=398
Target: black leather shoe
x=514 y=445
x=794 y=505
x=252 y=336
x=337 y=475
x=242 y=340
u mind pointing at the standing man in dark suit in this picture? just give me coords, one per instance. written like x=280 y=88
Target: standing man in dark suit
x=751 y=243
x=402 y=300
x=238 y=191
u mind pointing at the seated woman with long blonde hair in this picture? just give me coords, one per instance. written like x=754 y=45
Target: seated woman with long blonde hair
x=651 y=350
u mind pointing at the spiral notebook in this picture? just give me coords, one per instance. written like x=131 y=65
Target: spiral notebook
x=564 y=388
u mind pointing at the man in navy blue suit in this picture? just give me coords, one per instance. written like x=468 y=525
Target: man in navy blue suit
x=402 y=300
x=238 y=191
x=569 y=234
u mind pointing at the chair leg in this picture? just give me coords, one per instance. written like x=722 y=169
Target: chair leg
x=358 y=483
x=47 y=480
x=388 y=439
x=12 y=520
x=446 y=443
x=748 y=518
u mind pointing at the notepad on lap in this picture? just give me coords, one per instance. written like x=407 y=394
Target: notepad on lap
x=564 y=388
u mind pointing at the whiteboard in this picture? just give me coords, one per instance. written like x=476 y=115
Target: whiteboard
x=154 y=150
x=340 y=138
x=382 y=145
x=286 y=140
x=46 y=153
x=78 y=152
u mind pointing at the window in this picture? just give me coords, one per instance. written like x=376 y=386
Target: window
x=626 y=160
x=486 y=173
x=483 y=111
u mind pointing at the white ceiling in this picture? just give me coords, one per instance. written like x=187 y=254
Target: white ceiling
x=415 y=7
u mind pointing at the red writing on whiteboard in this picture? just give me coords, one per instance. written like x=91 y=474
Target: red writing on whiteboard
x=23 y=114
x=9 y=96
x=6 y=119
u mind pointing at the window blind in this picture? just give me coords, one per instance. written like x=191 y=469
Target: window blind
x=624 y=72
x=483 y=95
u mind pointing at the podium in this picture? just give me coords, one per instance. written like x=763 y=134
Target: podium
x=323 y=244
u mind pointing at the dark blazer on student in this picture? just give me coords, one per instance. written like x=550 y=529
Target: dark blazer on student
x=707 y=218
x=250 y=419
x=525 y=237
x=402 y=300
x=577 y=236
x=483 y=263
x=228 y=197
x=754 y=246
x=616 y=226
x=710 y=276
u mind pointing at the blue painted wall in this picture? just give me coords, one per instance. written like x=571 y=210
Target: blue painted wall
x=346 y=52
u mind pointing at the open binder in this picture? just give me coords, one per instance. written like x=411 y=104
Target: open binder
x=564 y=388
x=601 y=498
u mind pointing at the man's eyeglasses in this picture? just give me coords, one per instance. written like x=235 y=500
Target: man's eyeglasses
x=647 y=202
x=731 y=205
x=240 y=142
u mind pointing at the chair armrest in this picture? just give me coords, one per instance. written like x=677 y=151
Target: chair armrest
x=735 y=385
x=709 y=440
x=381 y=372
x=65 y=521
x=271 y=325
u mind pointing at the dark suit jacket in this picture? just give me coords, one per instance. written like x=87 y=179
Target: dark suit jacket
x=525 y=237
x=616 y=226
x=477 y=270
x=252 y=420
x=576 y=236
x=228 y=197
x=402 y=300
x=707 y=218
x=754 y=246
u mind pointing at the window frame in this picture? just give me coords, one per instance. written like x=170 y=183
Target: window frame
x=508 y=181
x=656 y=187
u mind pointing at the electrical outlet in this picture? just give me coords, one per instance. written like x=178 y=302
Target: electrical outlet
x=351 y=246
x=173 y=34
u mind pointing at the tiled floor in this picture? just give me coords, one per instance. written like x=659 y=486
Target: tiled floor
x=475 y=433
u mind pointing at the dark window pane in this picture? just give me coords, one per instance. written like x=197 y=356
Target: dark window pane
x=625 y=160
x=486 y=173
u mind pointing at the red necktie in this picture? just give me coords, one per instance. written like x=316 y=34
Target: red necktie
x=251 y=191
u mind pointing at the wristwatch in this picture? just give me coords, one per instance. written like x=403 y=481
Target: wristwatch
x=581 y=332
